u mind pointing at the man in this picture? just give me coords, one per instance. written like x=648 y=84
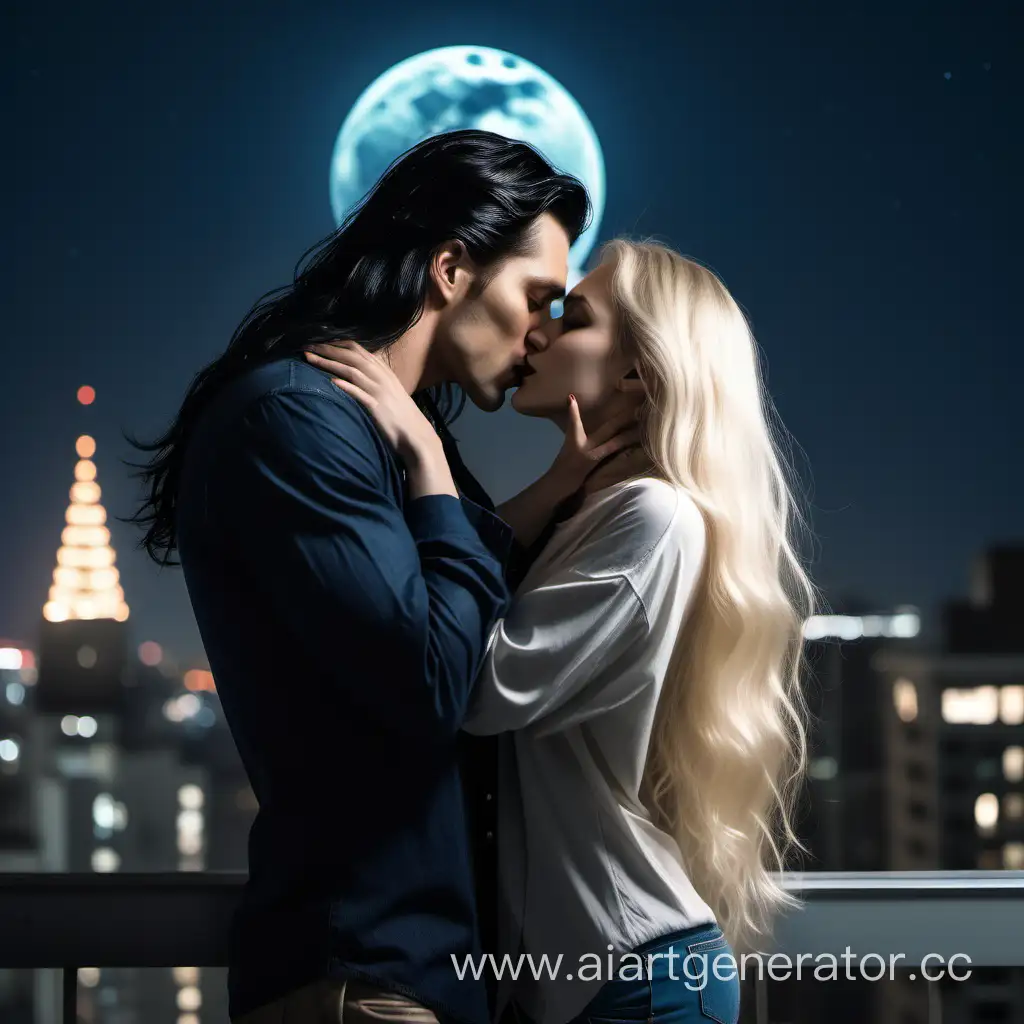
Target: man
x=344 y=600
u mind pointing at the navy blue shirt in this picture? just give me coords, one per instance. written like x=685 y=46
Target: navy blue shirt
x=344 y=623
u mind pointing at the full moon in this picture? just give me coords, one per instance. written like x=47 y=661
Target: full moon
x=457 y=87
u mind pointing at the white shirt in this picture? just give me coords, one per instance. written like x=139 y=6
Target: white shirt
x=576 y=669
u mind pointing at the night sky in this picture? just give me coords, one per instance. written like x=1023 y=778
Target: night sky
x=854 y=178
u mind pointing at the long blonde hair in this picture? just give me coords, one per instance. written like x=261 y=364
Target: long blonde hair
x=728 y=752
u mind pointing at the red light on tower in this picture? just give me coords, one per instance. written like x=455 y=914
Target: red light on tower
x=86 y=395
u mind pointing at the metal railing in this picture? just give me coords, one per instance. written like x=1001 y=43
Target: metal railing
x=66 y=921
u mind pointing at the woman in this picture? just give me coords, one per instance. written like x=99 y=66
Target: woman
x=648 y=667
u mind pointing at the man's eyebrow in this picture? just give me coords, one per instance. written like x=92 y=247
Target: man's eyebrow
x=552 y=289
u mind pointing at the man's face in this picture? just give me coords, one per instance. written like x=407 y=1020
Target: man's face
x=485 y=333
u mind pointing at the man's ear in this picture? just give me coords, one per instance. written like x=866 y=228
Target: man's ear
x=631 y=382
x=449 y=268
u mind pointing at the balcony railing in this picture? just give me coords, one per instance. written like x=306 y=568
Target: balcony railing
x=66 y=921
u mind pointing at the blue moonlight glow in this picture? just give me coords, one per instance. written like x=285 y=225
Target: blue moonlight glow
x=466 y=87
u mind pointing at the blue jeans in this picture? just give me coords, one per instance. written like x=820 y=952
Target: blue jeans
x=682 y=985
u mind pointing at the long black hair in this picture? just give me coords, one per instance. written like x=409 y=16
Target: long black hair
x=368 y=281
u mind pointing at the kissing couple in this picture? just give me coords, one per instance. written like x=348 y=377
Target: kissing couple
x=567 y=725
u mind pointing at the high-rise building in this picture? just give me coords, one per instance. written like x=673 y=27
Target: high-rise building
x=956 y=732
x=842 y=818
x=842 y=821
x=955 y=751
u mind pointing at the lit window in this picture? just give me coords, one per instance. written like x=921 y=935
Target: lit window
x=190 y=796
x=190 y=821
x=10 y=658
x=190 y=844
x=105 y=859
x=986 y=812
x=103 y=810
x=1013 y=764
x=978 y=706
x=1013 y=856
x=189 y=998
x=904 y=697
x=1011 y=705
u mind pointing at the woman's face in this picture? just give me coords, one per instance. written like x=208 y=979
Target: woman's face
x=576 y=354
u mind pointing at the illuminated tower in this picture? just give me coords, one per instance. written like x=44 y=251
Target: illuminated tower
x=83 y=642
x=85 y=582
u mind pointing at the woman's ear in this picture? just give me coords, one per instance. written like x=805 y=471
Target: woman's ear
x=631 y=382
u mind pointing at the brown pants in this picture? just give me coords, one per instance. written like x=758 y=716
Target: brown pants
x=340 y=1002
